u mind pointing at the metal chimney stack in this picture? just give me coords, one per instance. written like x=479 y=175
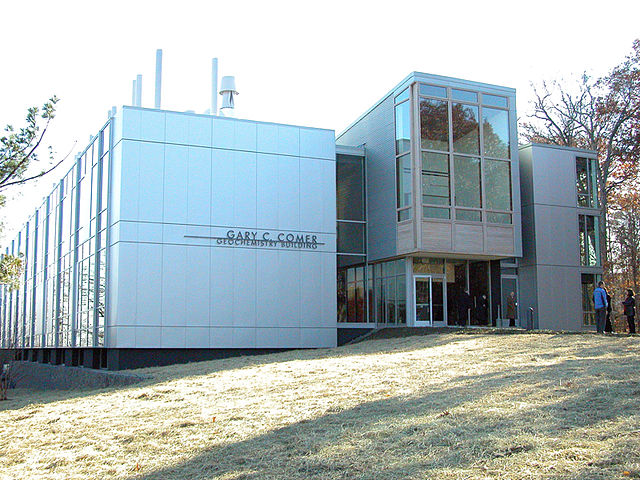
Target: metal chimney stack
x=214 y=86
x=158 y=77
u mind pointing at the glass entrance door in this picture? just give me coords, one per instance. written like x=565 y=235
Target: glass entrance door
x=422 y=300
x=429 y=300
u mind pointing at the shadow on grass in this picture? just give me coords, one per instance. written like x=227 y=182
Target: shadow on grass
x=454 y=429
x=22 y=397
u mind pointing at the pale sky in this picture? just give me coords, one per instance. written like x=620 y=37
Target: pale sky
x=318 y=64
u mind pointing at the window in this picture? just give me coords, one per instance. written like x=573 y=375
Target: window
x=434 y=124
x=497 y=184
x=466 y=130
x=589 y=235
x=495 y=132
x=435 y=179
x=403 y=155
x=351 y=295
x=390 y=292
x=588 y=281
x=467 y=181
x=586 y=184
x=403 y=127
x=349 y=187
x=403 y=186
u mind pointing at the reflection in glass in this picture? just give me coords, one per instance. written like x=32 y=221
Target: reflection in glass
x=403 y=96
x=469 y=215
x=497 y=184
x=433 y=91
x=464 y=95
x=589 y=233
x=403 y=128
x=436 y=212
x=494 y=217
x=403 y=178
x=404 y=214
x=494 y=100
x=350 y=237
x=495 y=132
x=588 y=281
x=434 y=124
x=586 y=182
x=435 y=178
x=467 y=181
x=466 y=130
x=349 y=187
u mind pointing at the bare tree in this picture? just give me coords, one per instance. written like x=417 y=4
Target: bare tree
x=597 y=114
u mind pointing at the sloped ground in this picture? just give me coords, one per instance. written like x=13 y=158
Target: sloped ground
x=447 y=406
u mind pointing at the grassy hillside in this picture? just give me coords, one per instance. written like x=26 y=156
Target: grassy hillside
x=448 y=406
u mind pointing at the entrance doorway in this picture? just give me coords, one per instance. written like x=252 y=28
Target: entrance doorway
x=429 y=300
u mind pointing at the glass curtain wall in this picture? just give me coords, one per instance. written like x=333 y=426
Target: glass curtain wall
x=351 y=241
x=63 y=246
x=404 y=188
x=390 y=292
x=465 y=150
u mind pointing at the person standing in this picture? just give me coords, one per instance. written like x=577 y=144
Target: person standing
x=630 y=310
x=600 y=304
x=482 y=309
x=512 y=308
x=608 y=327
x=464 y=304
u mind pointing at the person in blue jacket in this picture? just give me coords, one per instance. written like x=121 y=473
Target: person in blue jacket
x=600 y=303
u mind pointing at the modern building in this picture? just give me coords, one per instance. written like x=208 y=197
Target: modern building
x=178 y=236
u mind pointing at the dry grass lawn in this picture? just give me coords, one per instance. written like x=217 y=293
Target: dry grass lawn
x=447 y=406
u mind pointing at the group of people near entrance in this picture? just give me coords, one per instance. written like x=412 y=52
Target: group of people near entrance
x=602 y=304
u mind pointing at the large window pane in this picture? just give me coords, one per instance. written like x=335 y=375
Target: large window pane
x=403 y=128
x=466 y=131
x=350 y=237
x=495 y=132
x=588 y=309
x=434 y=124
x=435 y=178
x=497 y=184
x=403 y=178
x=467 y=181
x=349 y=187
x=586 y=182
x=589 y=240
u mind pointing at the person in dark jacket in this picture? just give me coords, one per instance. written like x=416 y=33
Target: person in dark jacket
x=464 y=304
x=630 y=310
x=512 y=308
x=608 y=328
x=482 y=309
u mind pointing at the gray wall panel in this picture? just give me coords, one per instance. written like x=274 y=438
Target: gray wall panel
x=376 y=130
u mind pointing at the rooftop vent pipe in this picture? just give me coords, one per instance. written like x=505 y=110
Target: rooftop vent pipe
x=158 y=77
x=214 y=86
x=228 y=91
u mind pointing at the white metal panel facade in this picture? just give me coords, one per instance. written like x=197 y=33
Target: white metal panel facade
x=223 y=233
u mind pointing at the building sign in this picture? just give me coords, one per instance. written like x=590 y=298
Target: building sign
x=265 y=238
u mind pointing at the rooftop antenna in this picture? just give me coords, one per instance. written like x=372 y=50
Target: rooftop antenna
x=214 y=86
x=228 y=91
x=158 y=77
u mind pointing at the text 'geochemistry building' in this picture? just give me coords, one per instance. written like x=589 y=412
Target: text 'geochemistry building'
x=179 y=236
